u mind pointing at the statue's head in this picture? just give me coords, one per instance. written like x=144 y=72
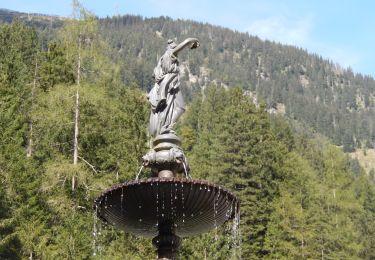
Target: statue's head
x=171 y=44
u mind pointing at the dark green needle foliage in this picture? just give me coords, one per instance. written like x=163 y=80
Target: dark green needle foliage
x=301 y=196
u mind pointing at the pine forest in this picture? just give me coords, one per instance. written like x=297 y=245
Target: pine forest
x=272 y=123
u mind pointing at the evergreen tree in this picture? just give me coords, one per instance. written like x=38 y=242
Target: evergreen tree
x=236 y=147
x=18 y=46
x=55 y=68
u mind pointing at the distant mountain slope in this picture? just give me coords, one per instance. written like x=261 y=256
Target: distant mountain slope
x=326 y=97
x=8 y=15
x=332 y=100
x=46 y=24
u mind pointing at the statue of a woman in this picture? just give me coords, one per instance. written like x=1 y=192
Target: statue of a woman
x=167 y=103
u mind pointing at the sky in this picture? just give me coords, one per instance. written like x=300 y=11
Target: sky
x=340 y=30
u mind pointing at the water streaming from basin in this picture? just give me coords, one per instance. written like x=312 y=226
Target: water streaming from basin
x=139 y=172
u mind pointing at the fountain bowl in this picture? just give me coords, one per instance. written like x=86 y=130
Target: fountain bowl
x=190 y=207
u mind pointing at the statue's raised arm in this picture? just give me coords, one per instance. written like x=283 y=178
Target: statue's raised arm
x=167 y=103
x=193 y=42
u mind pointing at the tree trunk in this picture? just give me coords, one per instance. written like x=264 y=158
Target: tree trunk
x=75 y=154
x=302 y=226
x=30 y=143
x=76 y=117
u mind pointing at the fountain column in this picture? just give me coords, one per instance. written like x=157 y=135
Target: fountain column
x=165 y=159
x=167 y=243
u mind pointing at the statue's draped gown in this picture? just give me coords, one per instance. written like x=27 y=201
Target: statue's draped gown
x=167 y=85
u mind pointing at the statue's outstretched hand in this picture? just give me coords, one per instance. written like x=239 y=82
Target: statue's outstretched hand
x=195 y=44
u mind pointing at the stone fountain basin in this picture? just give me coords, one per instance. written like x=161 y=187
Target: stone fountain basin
x=193 y=207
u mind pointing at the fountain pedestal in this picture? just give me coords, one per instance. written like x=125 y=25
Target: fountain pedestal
x=166 y=158
x=166 y=242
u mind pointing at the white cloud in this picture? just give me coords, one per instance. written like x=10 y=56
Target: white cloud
x=280 y=29
x=343 y=56
x=299 y=33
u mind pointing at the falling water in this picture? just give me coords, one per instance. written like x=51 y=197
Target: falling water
x=105 y=201
x=171 y=202
x=215 y=223
x=122 y=199
x=215 y=213
x=186 y=172
x=140 y=170
x=236 y=235
x=175 y=199
x=157 y=204
x=163 y=205
x=183 y=203
x=94 y=231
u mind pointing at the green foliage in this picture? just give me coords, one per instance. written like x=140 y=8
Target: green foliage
x=235 y=146
x=84 y=47
x=17 y=53
x=9 y=242
x=301 y=197
x=55 y=68
x=40 y=217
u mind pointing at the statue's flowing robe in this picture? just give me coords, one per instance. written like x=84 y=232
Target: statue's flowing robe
x=167 y=85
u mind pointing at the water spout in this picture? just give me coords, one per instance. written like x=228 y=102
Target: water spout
x=140 y=170
x=185 y=170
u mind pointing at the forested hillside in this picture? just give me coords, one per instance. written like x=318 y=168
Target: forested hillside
x=332 y=100
x=317 y=92
x=73 y=119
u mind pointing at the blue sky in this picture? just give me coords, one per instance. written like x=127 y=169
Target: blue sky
x=341 y=30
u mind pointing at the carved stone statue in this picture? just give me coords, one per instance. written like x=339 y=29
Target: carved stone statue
x=166 y=157
x=167 y=103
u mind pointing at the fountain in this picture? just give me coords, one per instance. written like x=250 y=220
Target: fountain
x=166 y=207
